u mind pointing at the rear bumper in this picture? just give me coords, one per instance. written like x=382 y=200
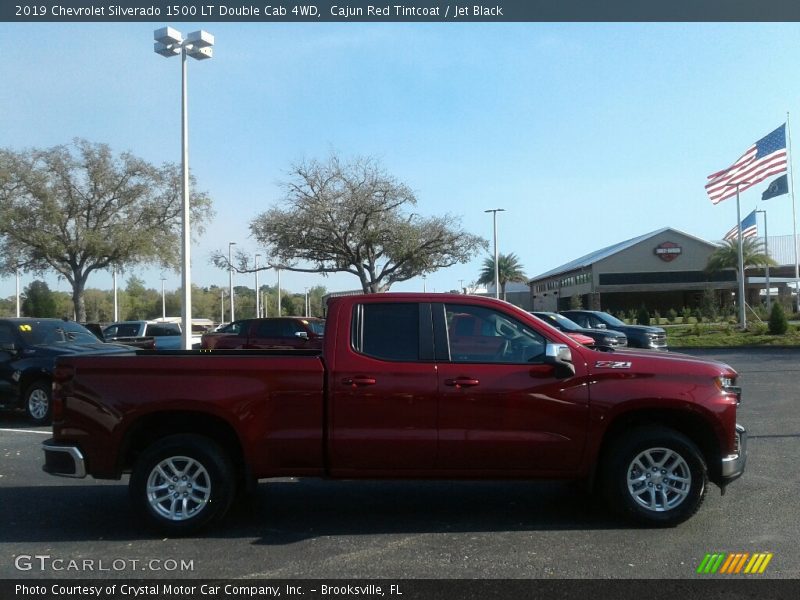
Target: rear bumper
x=733 y=464
x=63 y=460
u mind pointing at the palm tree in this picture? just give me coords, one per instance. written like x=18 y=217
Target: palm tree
x=509 y=270
x=726 y=256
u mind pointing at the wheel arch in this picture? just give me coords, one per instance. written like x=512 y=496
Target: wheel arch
x=154 y=426
x=690 y=424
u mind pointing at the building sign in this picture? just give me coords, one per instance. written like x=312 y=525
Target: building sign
x=668 y=251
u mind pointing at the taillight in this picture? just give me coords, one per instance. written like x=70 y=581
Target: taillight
x=62 y=378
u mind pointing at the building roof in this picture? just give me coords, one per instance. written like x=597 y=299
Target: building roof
x=598 y=255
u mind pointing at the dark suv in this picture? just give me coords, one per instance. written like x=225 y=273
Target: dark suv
x=639 y=336
x=28 y=352
x=601 y=337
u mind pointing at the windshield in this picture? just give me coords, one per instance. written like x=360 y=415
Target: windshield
x=317 y=327
x=559 y=321
x=610 y=320
x=56 y=332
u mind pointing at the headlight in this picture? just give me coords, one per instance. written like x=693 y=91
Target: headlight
x=728 y=385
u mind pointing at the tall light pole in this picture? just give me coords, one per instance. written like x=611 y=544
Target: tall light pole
x=258 y=294
x=170 y=42
x=494 y=212
x=163 y=301
x=221 y=306
x=16 y=273
x=116 y=303
x=278 y=269
x=230 y=277
x=306 y=303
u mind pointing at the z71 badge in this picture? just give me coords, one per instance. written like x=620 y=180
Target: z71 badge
x=613 y=364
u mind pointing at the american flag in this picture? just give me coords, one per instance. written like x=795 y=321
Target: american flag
x=749 y=229
x=763 y=159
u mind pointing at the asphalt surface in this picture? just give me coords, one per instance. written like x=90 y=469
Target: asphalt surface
x=322 y=529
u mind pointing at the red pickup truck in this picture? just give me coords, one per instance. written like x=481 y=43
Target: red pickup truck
x=406 y=386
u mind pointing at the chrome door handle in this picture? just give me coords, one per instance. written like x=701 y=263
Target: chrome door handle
x=359 y=381
x=462 y=382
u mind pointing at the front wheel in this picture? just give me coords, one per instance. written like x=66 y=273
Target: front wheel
x=656 y=476
x=182 y=483
x=38 y=405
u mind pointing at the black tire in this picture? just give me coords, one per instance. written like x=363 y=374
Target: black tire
x=38 y=401
x=673 y=473
x=202 y=488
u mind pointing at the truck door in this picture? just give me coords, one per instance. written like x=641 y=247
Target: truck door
x=502 y=409
x=383 y=391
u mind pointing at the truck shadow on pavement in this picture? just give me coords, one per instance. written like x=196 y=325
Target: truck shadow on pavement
x=285 y=512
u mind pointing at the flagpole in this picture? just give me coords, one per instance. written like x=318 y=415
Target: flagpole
x=742 y=312
x=766 y=251
x=794 y=212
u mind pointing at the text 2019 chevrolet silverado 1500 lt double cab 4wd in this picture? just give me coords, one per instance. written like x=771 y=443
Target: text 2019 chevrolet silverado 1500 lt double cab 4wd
x=406 y=386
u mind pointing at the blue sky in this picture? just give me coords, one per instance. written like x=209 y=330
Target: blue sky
x=587 y=134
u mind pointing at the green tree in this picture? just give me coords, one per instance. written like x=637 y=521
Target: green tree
x=353 y=217
x=38 y=301
x=509 y=270
x=778 y=323
x=79 y=209
x=726 y=256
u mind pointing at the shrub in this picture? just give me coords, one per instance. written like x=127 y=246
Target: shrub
x=686 y=313
x=643 y=317
x=671 y=316
x=778 y=323
x=697 y=315
x=656 y=318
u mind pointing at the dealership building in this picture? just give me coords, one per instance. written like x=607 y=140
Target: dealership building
x=661 y=270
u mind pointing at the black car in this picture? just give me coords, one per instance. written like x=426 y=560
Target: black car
x=601 y=337
x=28 y=352
x=639 y=336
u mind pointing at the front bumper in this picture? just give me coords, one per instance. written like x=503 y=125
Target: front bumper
x=62 y=460
x=733 y=464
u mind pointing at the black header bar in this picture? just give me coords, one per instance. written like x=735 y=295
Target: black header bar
x=452 y=11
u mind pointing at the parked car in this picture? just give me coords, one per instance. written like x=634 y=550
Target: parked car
x=423 y=386
x=165 y=336
x=28 y=352
x=639 y=336
x=277 y=333
x=598 y=337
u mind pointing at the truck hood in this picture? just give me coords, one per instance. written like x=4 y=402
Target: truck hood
x=639 y=329
x=650 y=361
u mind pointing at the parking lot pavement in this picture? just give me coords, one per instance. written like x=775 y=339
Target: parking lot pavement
x=323 y=529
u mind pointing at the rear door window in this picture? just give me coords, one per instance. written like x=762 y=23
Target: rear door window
x=389 y=331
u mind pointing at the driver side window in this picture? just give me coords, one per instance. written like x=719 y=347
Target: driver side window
x=482 y=335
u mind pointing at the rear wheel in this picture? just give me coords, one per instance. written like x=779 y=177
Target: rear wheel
x=656 y=476
x=182 y=483
x=38 y=403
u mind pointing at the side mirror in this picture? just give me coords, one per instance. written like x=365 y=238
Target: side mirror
x=560 y=356
x=303 y=335
x=602 y=326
